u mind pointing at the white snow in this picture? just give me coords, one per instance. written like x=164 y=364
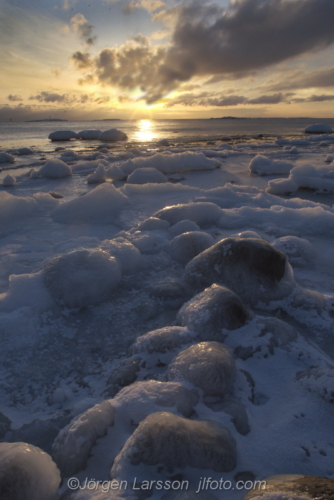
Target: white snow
x=9 y=181
x=146 y=175
x=102 y=205
x=27 y=472
x=55 y=169
x=6 y=158
x=262 y=165
x=98 y=176
x=92 y=134
x=202 y=213
x=318 y=177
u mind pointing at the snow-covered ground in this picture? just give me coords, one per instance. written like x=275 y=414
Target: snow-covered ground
x=90 y=264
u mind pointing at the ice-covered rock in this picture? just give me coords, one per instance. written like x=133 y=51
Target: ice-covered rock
x=186 y=246
x=89 y=134
x=9 y=181
x=146 y=175
x=63 y=135
x=82 y=278
x=202 y=213
x=178 y=443
x=73 y=444
x=15 y=208
x=163 y=142
x=27 y=472
x=208 y=365
x=252 y=268
x=299 y=252
x=163 y=340
x=210 y=311
x=127 y=255
x=319 y=128
x=153 y=224
x=20 y=151
x=262 y=165
x=6 y=158
x=55 y=169
x=317 y=177
x=184 y=226
x=112 y=135
x=329 y=158
x=116 y=173
x=282 y=186
x=102 y=205
x=135 y=402
x=125 y=373
x=294 y=150
x=172 y=163
x=98 y=176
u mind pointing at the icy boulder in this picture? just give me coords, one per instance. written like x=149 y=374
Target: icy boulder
x=299 y=252
x=184 y=226
x=163 y=340
x=282 y=186
x=9 y=181
x=6 y=158
x=252 y=268
x=172 y=163
x=112 y=135
x=262 y=165
x=176 y=443
x=82 y=278
x=62 y=135
x=15 y=208
x=317 y=177
x=146 y=175
x=319 y=128
x=55 y=169
x=127 y=255
x=27 y=473
x=210 y=311
x=116 y=173
x=98 y=176
x=209 y=366
x=89 y=135
x=202 y=213
x=102 y=205
x=73 y=444
x=329 y=158
x=153 y=224
x=135 y=402
x=186 y=246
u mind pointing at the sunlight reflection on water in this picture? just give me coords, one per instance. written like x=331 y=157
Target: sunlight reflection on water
x=145 y=131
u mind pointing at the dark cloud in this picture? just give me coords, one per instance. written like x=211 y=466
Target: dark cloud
x=303 y=80
x=71 y=99
x=246 y=36
x=82 y=60
x=14 y=98
x=314 y=98
x=218 y=100
x=82 y=27
x=48 y=97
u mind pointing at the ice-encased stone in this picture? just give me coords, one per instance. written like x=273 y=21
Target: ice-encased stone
x=163 y=340
x=146 y=175
x=252 y=268
x=63 y=135
x=262 y=165
x=184 y=226
x=55 y=169
x=299 y=252
x=127 y=255
x=73 y=444
x=9 y=181
x=215 y=308
x=153 y=224
x=82 y=278
x=208 y=365
x=176 y=443
x=282 y=186
x=27 y=472
x=6 y=158
x=89 y=134
x=99 y=176
x=112 y=135
x=122 y=375
x=319 y=128
x=186 y=246
x=202 y=213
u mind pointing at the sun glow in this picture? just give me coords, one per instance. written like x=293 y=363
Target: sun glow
x=146 y=131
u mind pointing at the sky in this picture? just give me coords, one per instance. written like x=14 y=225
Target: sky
x=135 y=59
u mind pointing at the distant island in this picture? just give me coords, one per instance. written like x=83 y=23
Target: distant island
x=228 y=118
x=47 y=120
x=110 y=119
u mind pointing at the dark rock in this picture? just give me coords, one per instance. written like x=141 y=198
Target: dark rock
x=4 y=425
x=123 y=375
x=186 y=246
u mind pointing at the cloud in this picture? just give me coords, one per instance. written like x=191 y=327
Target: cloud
x=15 y=97
x=82 y=60
x=81 y=26
x=68 y=4
x=323 y=77
x=315 y=98
x=247 y=36
x=219 y=100
x=70 y=99
x=149 y=5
